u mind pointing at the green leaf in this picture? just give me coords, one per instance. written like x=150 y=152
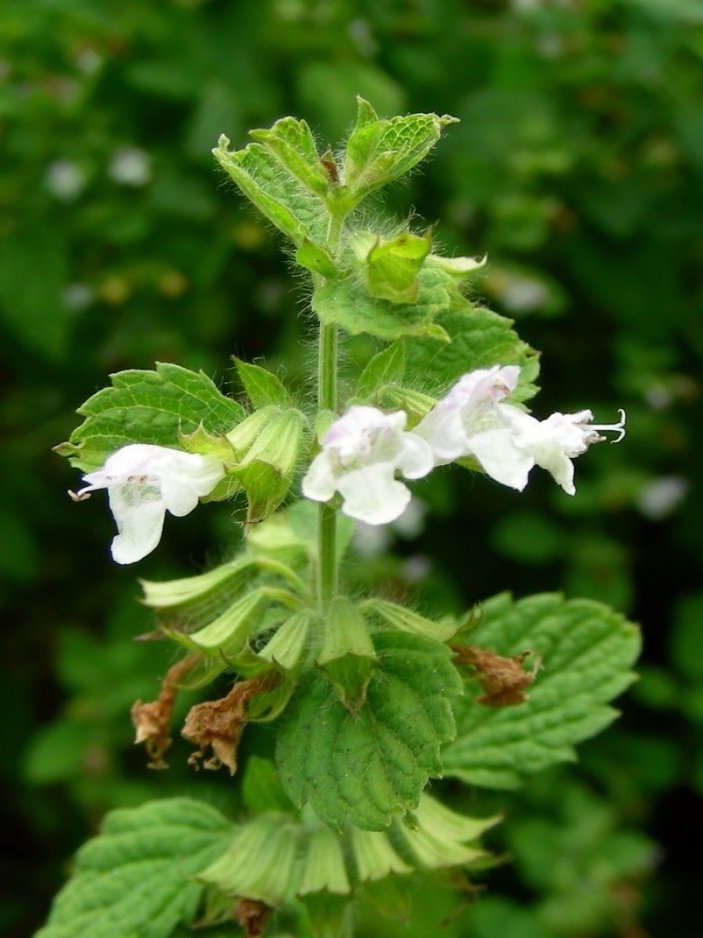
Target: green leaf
x=291 y=140
x=317 y=259
x=478 y=338
x=364 y=768
x=587 y=650
x=148 y=407
x=136 y=877
x=386 y=367
x=262 y=386
x=347 y=303
x=261 y=787
x=379 y=151
x=278 y=194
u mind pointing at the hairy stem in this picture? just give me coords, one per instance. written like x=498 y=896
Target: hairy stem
x=327 y=400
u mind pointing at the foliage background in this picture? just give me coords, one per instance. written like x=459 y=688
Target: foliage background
x=578 y=168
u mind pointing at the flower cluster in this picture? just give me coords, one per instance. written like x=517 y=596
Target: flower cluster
x=362 y=454
x=363 y=449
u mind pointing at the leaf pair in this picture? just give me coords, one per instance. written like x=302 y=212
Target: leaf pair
x=298 y=189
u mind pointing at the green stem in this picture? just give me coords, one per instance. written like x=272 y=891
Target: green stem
x=327 y=572
x=327 y=516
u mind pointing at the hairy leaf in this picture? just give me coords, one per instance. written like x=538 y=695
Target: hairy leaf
x=348 y=304
x=262 y=386
x=387 y=367
x=479 y=338
x=587 y=650
x=291 y=140
x=135 y=880
x=148 y=407
x=379 y=151
x=275 y=191
x=366 y=767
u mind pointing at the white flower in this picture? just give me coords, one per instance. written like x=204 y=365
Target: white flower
x=554 y=442
x=470 y=421
x=65 y=180
x=360 y=455
x=507 y=442
x=143 y=483
x=130 y=167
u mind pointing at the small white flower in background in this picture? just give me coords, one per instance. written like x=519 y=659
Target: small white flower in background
x=370 y=540
x=130 y=167
x=507 y=442
x=361 y=453
x=661 y=497
x=65 y=180
x=143 y=483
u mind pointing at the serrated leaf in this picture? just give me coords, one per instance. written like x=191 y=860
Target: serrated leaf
x=587 y=651
x=347 y=653
x=148 y=407
x=278 y=194
x=262 y=387
x=136 y=877
x=364 y=768
x=478 y=338
x=291 y=140
x=380 y=151
x=386 y=367
x=347 y=303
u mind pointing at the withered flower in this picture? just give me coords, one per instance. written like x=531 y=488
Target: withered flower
x=503 y=680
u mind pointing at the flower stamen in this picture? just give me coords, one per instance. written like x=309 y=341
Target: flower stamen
x=618 y=427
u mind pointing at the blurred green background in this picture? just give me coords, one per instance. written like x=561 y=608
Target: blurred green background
x=578 y=168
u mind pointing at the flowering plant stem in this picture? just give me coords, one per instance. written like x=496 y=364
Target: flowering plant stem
x=327 y=401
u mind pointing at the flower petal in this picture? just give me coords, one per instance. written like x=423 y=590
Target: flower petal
x=139 y=514
x=319 y=482
x=371 y=494
x=415 y=458
x=499 y=456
